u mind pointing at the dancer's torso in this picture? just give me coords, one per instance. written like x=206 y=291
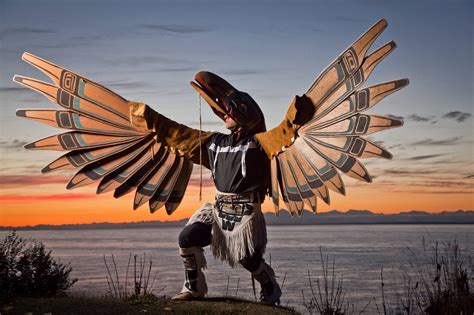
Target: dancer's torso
x=238 y=166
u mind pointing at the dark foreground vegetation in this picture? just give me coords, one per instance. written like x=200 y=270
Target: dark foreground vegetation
x=27 y=269
x=437 y=281
x=144 y=305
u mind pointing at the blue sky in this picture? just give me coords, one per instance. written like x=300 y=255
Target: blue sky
x=149 y=51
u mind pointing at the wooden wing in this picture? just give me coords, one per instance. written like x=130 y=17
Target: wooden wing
x=102 y=143
x=333 y=140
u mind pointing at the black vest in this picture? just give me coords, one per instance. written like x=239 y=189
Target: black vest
x=238 y=165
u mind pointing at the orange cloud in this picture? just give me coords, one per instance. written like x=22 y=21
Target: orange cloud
x=13 y=181
x=40 y=198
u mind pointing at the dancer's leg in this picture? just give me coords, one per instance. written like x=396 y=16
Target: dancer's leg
x=262 y=272
x=191 y=240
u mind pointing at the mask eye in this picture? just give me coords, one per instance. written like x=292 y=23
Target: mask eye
x=234 y=104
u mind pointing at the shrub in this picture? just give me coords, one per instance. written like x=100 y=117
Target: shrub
x=328 y=296
x=140 y=287
x=445 y=281
x=27 y=269
x=438 y=281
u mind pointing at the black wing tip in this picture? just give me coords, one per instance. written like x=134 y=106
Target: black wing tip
x=342 y=190
x=21 y=113
x=386 y=155
x=367 y=178
x=401 y=83
x=26 y=54
x=396 y=123
x=117 y=194
x=135 y=206
x=45 y=169
x=18 y=78
x=30 y=146
x=327 y=199
x=392 y=45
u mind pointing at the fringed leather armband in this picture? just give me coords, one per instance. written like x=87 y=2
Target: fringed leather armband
x=275 y=140
x=177 y=137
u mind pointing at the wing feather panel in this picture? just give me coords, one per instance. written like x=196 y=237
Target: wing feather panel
x=352 y=83
x=74 y=103
x=103 y=143
x=143 y=162
x=357 y=102
x=311 y=176
x=344 y=162
x=293 y=200
x=147 y=188
x=274 y=171
x=95 y=171
x=74 y=140
x=162 y=194
x=80 y=158
x=80 y=86
x=344 y=66
x=355 y=146
x=179 y=188
x=357 y=125
x=73 y=121
x=139 y=177
x=304 y=189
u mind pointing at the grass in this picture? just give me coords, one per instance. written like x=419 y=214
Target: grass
x=148 y=305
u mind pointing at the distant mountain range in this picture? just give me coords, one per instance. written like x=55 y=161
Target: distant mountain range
x=284 y=218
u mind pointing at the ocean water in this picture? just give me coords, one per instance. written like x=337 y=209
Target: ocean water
x=358 y=252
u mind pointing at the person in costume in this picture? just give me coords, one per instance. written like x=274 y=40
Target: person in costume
x=241 y=172
x=130 y=147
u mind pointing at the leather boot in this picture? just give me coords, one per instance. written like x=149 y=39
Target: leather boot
x=270 y=292
x=195 y=286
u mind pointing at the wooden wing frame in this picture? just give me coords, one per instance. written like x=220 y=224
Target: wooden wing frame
x=332 y=140
x=101 y=142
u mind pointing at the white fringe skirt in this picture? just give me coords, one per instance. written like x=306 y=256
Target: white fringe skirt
x=238 y=230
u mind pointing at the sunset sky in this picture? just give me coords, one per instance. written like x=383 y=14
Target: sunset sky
x=148 y=51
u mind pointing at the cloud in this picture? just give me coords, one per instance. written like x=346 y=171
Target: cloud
x=470 y=176
x=458 y=116
x=8 y=89
x=20 y=31
x=241 y=72
x=177 y=28
x=138 y=61
x=176 y=69
x=433 y=192
x=12 y=181
x=431 y=142
x=396 y=146
x=125 y=85
x=313 y=28
x=43 y=198
x=424 y=157
x=442 y=184
x=401 y=172
x=418 y=118
x=13 y=145
x=350 y=19
x=206 y=182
